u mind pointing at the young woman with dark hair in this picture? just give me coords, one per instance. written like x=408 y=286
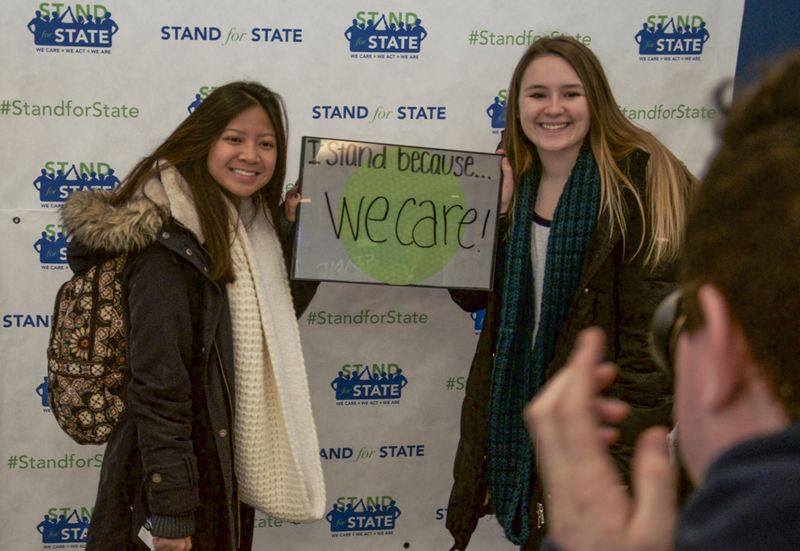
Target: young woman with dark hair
x=218 y=419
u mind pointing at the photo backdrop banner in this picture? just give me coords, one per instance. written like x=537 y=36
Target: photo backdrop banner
x=90 y=88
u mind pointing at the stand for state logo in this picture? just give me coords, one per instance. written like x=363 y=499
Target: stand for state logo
x=55 y=184
x=86 y=27
x=385 y=34
x=52 y=246
x=70 y=526
x=676 y=38
x=363 y=516
x=359 y=384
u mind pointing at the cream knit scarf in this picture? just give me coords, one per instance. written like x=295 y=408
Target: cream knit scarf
x=276 y=452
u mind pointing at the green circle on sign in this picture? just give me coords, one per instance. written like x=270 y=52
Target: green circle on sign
x=408 y=223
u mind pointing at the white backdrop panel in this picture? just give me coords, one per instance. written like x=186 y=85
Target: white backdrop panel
x=122 y=100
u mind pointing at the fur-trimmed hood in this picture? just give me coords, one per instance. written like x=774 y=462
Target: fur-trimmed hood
x=98 y=226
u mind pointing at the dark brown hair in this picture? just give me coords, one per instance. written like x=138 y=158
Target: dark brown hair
x=187 y=150
x=743 y=232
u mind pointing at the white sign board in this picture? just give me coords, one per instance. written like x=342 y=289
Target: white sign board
x=396 y=214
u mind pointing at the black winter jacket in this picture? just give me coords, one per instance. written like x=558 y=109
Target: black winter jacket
x=749 y=498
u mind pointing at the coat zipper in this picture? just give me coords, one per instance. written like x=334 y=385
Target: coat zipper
x=237 y=524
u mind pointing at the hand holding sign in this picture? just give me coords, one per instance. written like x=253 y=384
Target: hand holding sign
x=291 y=200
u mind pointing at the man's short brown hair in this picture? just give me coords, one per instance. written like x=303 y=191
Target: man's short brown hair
x=743 y=230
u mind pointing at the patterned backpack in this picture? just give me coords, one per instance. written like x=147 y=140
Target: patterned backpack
x=86 y=353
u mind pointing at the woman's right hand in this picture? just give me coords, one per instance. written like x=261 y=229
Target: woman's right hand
x=169 y=544
x=291 y=201
x=508 y=182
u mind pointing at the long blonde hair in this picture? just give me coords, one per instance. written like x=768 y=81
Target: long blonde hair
x=612 y=138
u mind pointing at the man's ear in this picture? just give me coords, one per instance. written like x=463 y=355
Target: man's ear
x=726 y=356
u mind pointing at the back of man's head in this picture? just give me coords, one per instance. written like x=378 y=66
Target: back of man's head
x=743 y=230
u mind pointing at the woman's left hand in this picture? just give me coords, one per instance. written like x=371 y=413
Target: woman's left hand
x=290 y=203
x=507 y=182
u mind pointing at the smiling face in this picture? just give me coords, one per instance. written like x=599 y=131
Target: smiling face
x=553 y=110
x=243 y=158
